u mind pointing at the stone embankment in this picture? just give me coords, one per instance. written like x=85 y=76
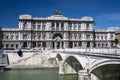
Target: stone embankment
x=31 y=59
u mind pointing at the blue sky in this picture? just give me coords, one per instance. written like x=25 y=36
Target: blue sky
x=106 y=13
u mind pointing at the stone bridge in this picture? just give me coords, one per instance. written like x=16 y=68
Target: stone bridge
x=90 y=64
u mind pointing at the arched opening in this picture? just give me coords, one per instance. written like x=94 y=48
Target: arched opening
x=72 y=65
x=59 y=57
x=57 y=41
x=107 y=72
x=57 y=35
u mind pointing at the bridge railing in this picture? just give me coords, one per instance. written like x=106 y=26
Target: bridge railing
x=113 y=51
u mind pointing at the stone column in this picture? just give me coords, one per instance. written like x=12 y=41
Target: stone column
x=36 y=26
x=61 y=67
x=83 y=75
x=55 y=26
x=84 y=44
x=72 y=26
x=77 y=44
x=41 y=26
x=60 y=45
x=41 y=36
x=64 y=45
x=59 y=26
x=19 y=35
x=55 y=43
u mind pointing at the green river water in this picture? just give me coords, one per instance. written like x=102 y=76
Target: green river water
x=40 y=74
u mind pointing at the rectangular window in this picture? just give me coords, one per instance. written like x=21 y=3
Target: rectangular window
x=43 y=27
x=11 y=37
x=102 y=37
x=79 y=26
x=105 y=37
x=75 y=26
x=25 y=36
x=79 y=36
x=62 y=26
x=80 y=44
x=7 y=37
x=16 y=37
x=87 y=36
x=34 y=26
x=111 y=37
x=87 y=26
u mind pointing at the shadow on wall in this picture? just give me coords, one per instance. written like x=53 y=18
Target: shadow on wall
x=1 y=37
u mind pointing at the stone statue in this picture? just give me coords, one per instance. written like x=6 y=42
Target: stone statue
x=57 y=12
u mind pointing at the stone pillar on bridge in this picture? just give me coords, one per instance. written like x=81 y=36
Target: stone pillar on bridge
x=83 y=75
x=65 y=68
x=61 y=67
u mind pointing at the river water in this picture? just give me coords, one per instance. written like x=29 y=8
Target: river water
x=40 y=74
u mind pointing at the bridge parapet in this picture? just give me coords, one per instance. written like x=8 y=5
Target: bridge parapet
x=115 y=51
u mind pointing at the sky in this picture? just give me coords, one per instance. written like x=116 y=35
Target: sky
x=106 y=13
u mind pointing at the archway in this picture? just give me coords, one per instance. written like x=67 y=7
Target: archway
x=107 y=70
x=56 y=35
x=72 y=65
x=57 y=41
x=59 y=57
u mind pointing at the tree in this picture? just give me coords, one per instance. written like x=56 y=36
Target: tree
x=20 y=53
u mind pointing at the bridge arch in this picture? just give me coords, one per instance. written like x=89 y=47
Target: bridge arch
x=59 y=56
x=106 y=69
x=73 y=64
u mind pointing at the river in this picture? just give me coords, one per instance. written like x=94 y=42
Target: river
x=40 y=74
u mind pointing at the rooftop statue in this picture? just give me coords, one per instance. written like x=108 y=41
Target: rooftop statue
x=57 y=12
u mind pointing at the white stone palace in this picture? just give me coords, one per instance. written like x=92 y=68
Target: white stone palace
x=55 y=32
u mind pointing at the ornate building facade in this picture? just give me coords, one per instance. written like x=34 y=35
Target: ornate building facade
x=55 y=32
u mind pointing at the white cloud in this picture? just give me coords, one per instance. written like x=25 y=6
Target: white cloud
x=109 y=19
x=117 y=28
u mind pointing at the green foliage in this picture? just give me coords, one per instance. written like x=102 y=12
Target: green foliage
x=20 y=53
